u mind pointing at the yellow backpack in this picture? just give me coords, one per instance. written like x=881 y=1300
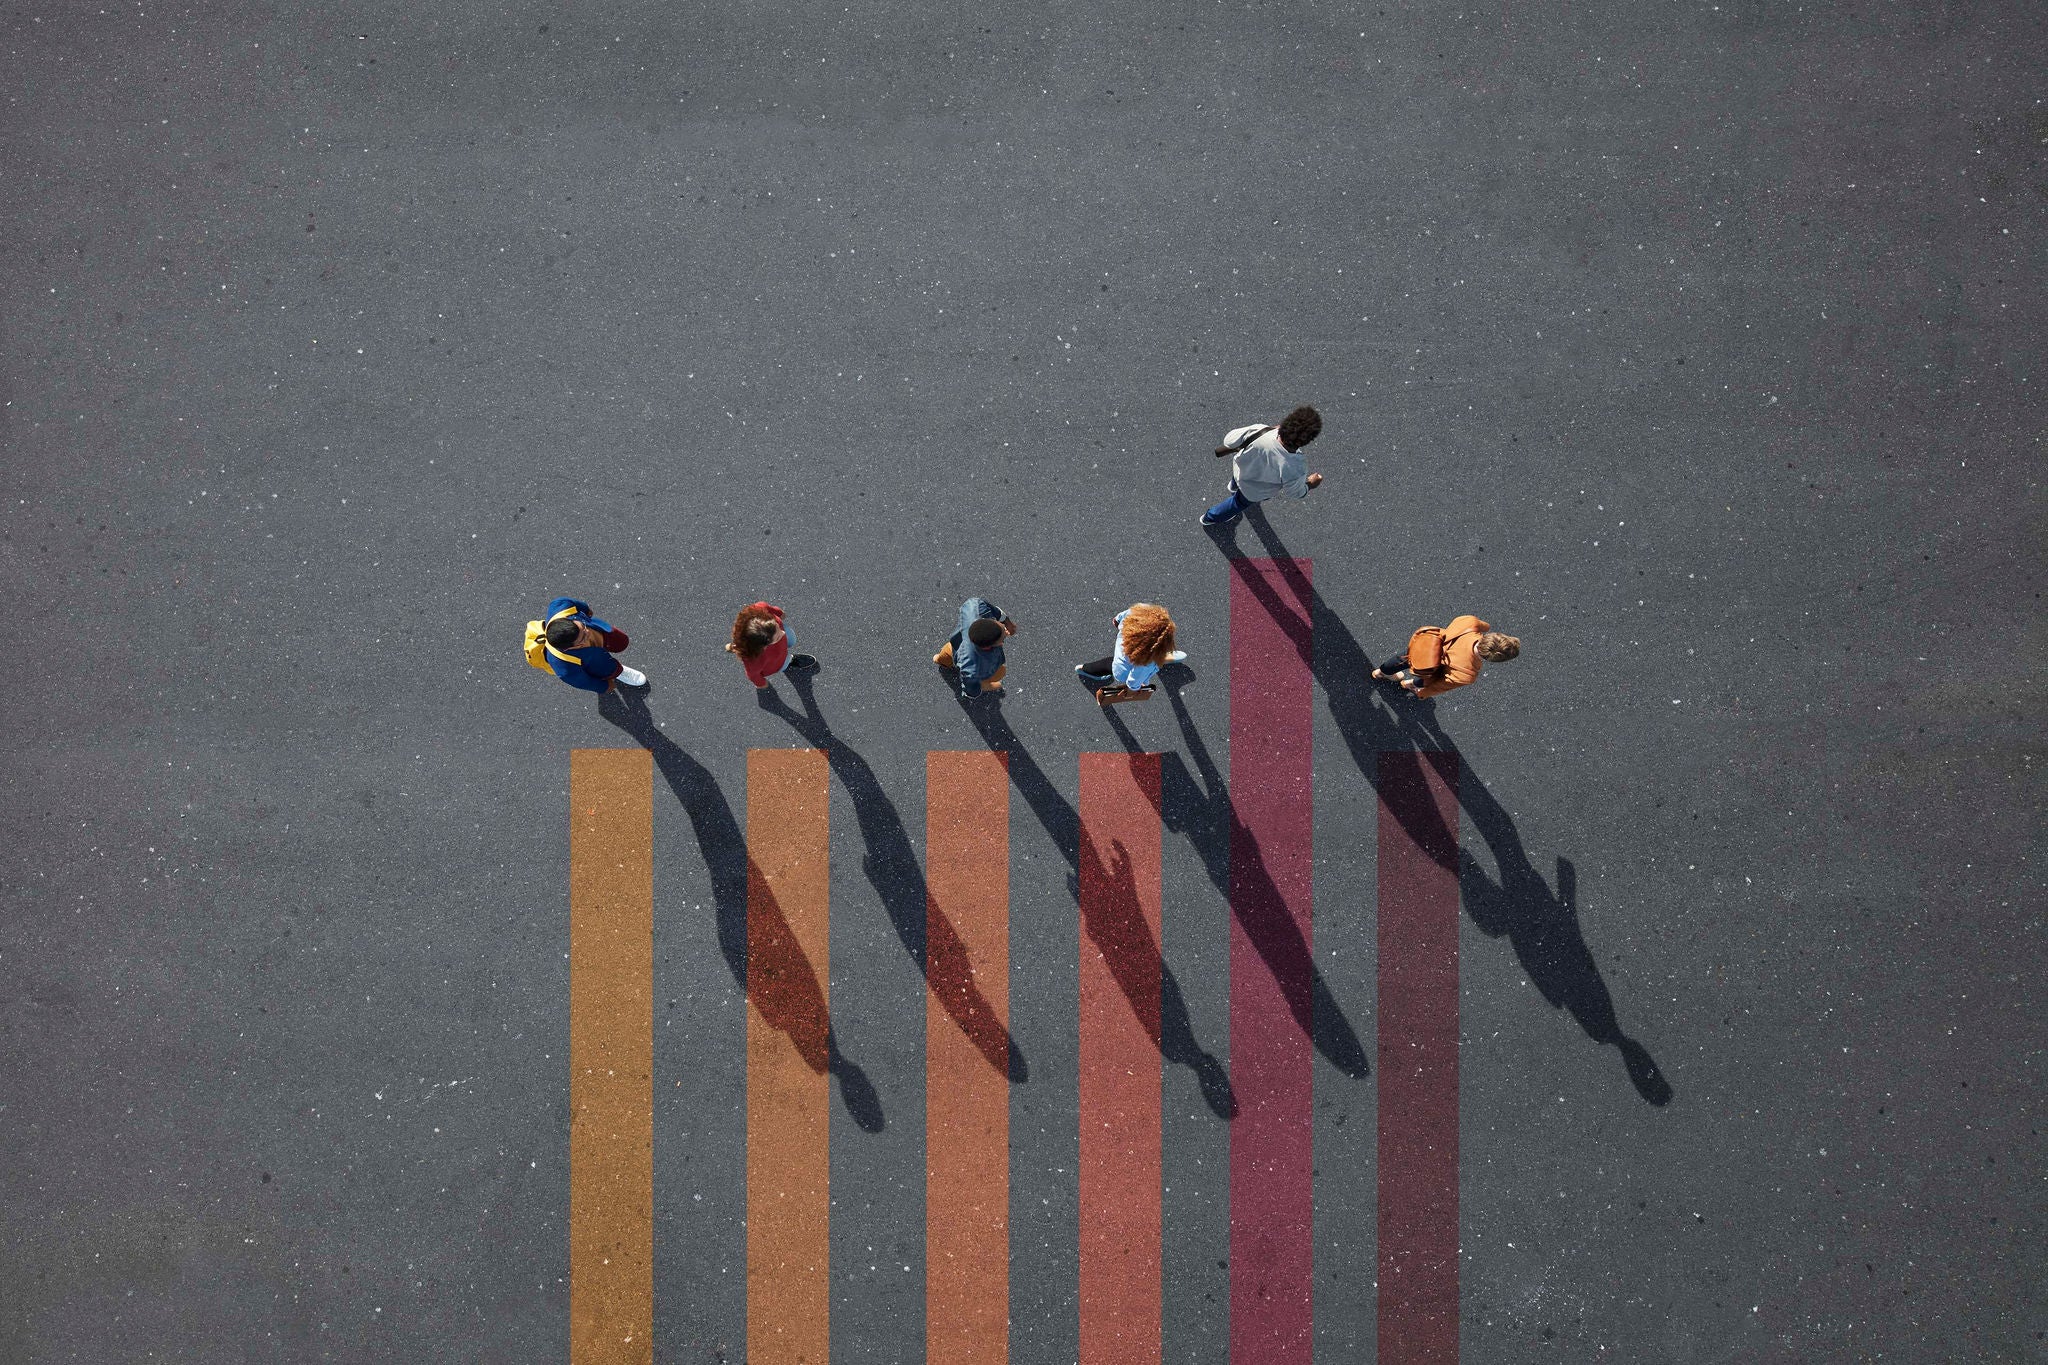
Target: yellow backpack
x=537 y=646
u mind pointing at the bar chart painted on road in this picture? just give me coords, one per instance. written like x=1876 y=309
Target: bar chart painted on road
x=972 y=1068
x=611 y=1057
x=1418 y=992
x=967 y=1098
x=1120 y=1066
x=1272 y=724
x=789 y=1058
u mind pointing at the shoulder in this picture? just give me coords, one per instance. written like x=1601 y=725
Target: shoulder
x=1463 y=623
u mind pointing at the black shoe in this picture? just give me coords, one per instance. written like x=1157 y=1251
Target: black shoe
x=801 y=663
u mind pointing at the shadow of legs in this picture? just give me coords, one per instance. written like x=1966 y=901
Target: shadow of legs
x=1542 y=928
x=783 y=986
x=1115 y=924
x=1202 y=812
x=892 y=868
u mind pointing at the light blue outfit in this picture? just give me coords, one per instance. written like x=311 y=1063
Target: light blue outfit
x=1122 y=669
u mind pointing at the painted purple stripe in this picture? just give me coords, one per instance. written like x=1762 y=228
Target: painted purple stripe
x=1271 y=1059
x=1418 y=1007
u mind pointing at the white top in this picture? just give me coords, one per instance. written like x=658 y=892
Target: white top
x=1265 y=467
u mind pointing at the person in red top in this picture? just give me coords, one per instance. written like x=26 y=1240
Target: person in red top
x=761 y=640
x=1458 y=649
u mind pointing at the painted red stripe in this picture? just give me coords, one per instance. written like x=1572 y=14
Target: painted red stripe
x=1418 y=1007
x=1271 y=1057
x=1120 y=1089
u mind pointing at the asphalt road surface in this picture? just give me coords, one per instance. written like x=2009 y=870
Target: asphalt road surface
x=1700 y=346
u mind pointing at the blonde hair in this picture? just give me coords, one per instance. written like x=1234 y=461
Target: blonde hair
x=1496 y=647
x=1147 y=634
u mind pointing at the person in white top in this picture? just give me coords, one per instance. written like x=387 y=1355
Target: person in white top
x=1267 y=460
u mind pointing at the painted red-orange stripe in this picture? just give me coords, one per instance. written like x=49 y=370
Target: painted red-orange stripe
x=967 y=1100
x=1418 y=988
x=788 y=1049
x=611 y=1057
x=1119 y=1082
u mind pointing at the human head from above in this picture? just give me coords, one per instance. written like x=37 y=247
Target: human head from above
x=1300 y=427
x=564 y=633
x=1147 y=634
x=985 y=633
x=1496 y=647
x=753 y=630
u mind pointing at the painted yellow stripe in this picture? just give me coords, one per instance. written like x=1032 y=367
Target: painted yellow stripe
x=611 y=1057
x=788 y=1049
x=967 y=1098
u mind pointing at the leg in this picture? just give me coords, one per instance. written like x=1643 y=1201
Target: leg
x=1387 y=671
x=1098 y=671
x=1230 y=509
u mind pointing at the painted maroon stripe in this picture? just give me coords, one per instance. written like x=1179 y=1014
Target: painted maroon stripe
x=1271 y=1060
x=1120 y=1090
x=1418 y=1007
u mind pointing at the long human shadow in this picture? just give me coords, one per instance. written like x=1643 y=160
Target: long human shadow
x=1203 y=812
x=1540 y=924
x=892 y=869
x=1113 y=920
x=784 y=986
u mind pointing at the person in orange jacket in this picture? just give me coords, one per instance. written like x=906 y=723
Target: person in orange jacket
x=1447 y=657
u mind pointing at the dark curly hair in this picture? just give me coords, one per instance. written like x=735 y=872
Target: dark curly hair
x=1300 y=427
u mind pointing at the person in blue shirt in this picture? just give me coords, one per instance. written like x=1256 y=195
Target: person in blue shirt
x=976 y=648
x=580 y=648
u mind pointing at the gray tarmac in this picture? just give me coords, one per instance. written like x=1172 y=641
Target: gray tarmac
x=1696 y=345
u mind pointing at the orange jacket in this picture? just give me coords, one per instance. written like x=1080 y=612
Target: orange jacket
x=1461 y=663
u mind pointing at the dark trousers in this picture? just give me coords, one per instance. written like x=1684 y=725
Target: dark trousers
x=1100 y=668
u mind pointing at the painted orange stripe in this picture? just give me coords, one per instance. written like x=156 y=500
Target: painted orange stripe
x=1120 y=1093
x=611 y=1057
x=788 y=1051
x=967 y=1101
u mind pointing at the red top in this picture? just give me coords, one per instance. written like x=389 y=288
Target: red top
x=770 y=660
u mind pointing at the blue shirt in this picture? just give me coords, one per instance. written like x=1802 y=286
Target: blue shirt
x=976 y=664
x=594 y=668
x=1122 y=669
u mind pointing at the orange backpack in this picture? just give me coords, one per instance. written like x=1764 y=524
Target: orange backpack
x=1427 y=648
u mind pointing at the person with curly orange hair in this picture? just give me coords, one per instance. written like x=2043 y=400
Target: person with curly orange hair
x=762 y=641
x=1144 y=642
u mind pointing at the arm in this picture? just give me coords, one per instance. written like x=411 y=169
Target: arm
x=1448 y=679
x=587 y=677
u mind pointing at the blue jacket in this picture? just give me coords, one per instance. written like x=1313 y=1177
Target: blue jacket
x=594 y=668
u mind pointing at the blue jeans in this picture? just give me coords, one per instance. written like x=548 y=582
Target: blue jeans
x=1232 y=507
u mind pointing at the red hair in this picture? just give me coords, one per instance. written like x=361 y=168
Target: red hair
x=1147 y=634
x=748 y=639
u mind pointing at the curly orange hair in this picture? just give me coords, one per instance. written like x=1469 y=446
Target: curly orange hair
x=1147 y=634
x=752 y=629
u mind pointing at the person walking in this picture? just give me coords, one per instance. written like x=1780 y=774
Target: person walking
x=1267 y=461
x=1440 y=659
x=975 y=650
x=1144 y=643
x=570 y=642
x=762 y=641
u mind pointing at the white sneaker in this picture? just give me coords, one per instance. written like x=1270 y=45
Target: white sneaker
x=632 y=677
x=1178 y=656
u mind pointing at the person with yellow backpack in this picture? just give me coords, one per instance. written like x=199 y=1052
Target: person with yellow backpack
x=576 y=647
x=1440 y=658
